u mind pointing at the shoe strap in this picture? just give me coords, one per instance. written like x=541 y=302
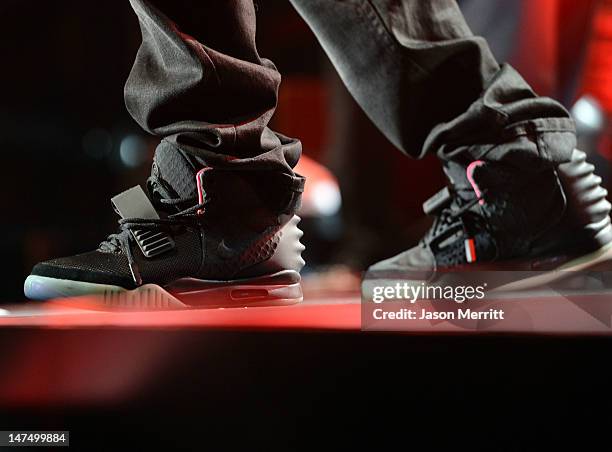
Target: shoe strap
x=134 y=203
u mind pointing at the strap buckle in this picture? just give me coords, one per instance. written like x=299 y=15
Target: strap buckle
x=134 y=203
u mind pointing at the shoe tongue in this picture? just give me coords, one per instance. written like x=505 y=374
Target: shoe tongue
x=461 y=179
x=175 y=172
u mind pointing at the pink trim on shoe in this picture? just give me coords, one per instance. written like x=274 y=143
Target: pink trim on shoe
x=199 y=183
x=470 y=176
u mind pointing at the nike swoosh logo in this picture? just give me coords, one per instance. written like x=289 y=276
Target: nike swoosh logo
x=225 y=251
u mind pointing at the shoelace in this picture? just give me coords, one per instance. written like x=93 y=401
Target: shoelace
x=449 y=215
x=123 y=240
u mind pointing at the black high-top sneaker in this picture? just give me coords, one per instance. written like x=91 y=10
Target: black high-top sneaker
x=200 y=237
x=537 y=227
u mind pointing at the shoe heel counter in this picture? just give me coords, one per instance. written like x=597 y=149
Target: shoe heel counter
x=588 y=210
x=286 y=256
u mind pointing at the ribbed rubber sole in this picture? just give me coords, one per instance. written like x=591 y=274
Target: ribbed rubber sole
x=282 y=288
x=584 y=273
x=597 y=261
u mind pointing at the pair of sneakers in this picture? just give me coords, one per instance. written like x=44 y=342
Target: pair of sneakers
x=209 y=237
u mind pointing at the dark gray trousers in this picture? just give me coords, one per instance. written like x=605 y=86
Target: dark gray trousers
x=413 y=66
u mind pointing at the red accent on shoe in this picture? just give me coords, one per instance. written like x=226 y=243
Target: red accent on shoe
x=470 y=250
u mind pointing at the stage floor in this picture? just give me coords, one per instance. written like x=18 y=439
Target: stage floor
x=529 y=313
x=335 y=312
x=167 y=377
